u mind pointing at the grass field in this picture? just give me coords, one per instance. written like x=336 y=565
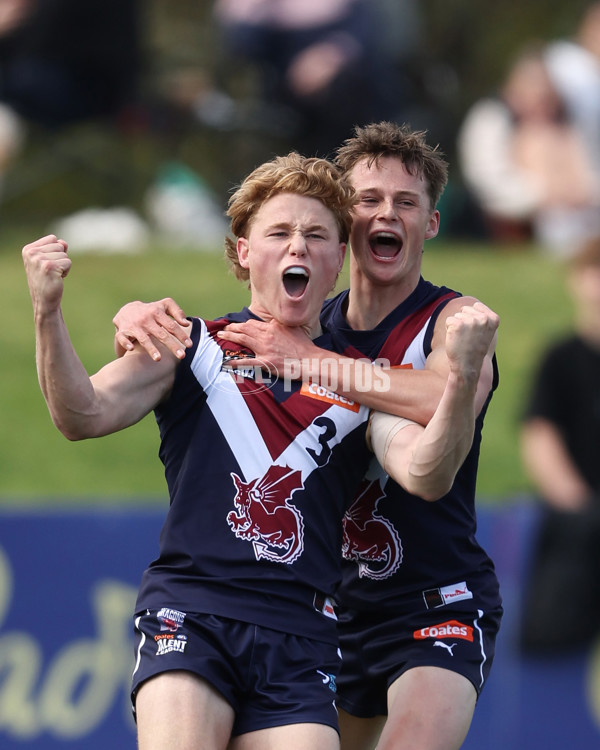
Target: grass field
x=38 y=465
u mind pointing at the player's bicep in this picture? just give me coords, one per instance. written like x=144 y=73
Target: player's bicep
x=130 y=387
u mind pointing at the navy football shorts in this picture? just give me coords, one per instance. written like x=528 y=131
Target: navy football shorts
x=378 y=648
x=270 y=678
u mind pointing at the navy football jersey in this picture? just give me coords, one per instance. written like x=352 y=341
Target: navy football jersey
x=260 y=471
x=398 y=547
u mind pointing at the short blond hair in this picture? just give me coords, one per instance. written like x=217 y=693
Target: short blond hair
x=308 y=176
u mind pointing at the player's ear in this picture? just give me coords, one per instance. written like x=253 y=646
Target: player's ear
x=243 y=250
x=433 y=226
x=343 y=248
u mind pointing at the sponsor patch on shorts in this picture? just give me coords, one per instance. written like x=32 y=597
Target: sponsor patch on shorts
x=170 y=644
x=449 y=629
x=455 y=592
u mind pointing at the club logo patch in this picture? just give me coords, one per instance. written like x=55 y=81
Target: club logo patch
x=170 y=619
x=265 y=516
x=369 y=538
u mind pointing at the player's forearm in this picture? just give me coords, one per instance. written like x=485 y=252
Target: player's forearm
x=414 y=394
x=65 y=384
x=442 y=446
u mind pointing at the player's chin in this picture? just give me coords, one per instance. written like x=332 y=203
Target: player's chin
x=297 y=312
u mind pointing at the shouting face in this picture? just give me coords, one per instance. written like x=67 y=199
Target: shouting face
x=392 y=220
x=294 y=255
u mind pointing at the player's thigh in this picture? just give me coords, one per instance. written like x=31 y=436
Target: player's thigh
x=179 y=711
x=288 y=737
x=419 y=695
x=357 y=733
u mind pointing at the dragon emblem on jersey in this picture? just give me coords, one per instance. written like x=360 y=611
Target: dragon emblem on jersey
x=265 y=516
x=369 y=538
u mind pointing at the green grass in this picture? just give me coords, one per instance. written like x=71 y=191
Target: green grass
x=37 y=464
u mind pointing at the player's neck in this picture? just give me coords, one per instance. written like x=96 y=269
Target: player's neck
x=367 y=309
x=312 y=326
x=369 y=304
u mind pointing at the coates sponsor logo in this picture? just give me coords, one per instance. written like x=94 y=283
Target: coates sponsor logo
x=319 y=392
x=450 y=629
x=170 y=619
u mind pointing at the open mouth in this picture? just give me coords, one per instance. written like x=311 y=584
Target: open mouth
x=385 y=244
x=295 y=281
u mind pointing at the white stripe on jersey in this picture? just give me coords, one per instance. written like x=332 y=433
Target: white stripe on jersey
x=243 y=434
x=415 y=354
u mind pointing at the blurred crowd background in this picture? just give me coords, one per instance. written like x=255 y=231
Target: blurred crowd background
x=142 y=114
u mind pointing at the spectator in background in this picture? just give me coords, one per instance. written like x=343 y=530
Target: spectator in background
x=526 y=163
x=574 y=66
x=324 y=65
x=63 y=61
x=561 y=453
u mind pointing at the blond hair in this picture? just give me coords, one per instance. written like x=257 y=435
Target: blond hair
x=308 y=176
